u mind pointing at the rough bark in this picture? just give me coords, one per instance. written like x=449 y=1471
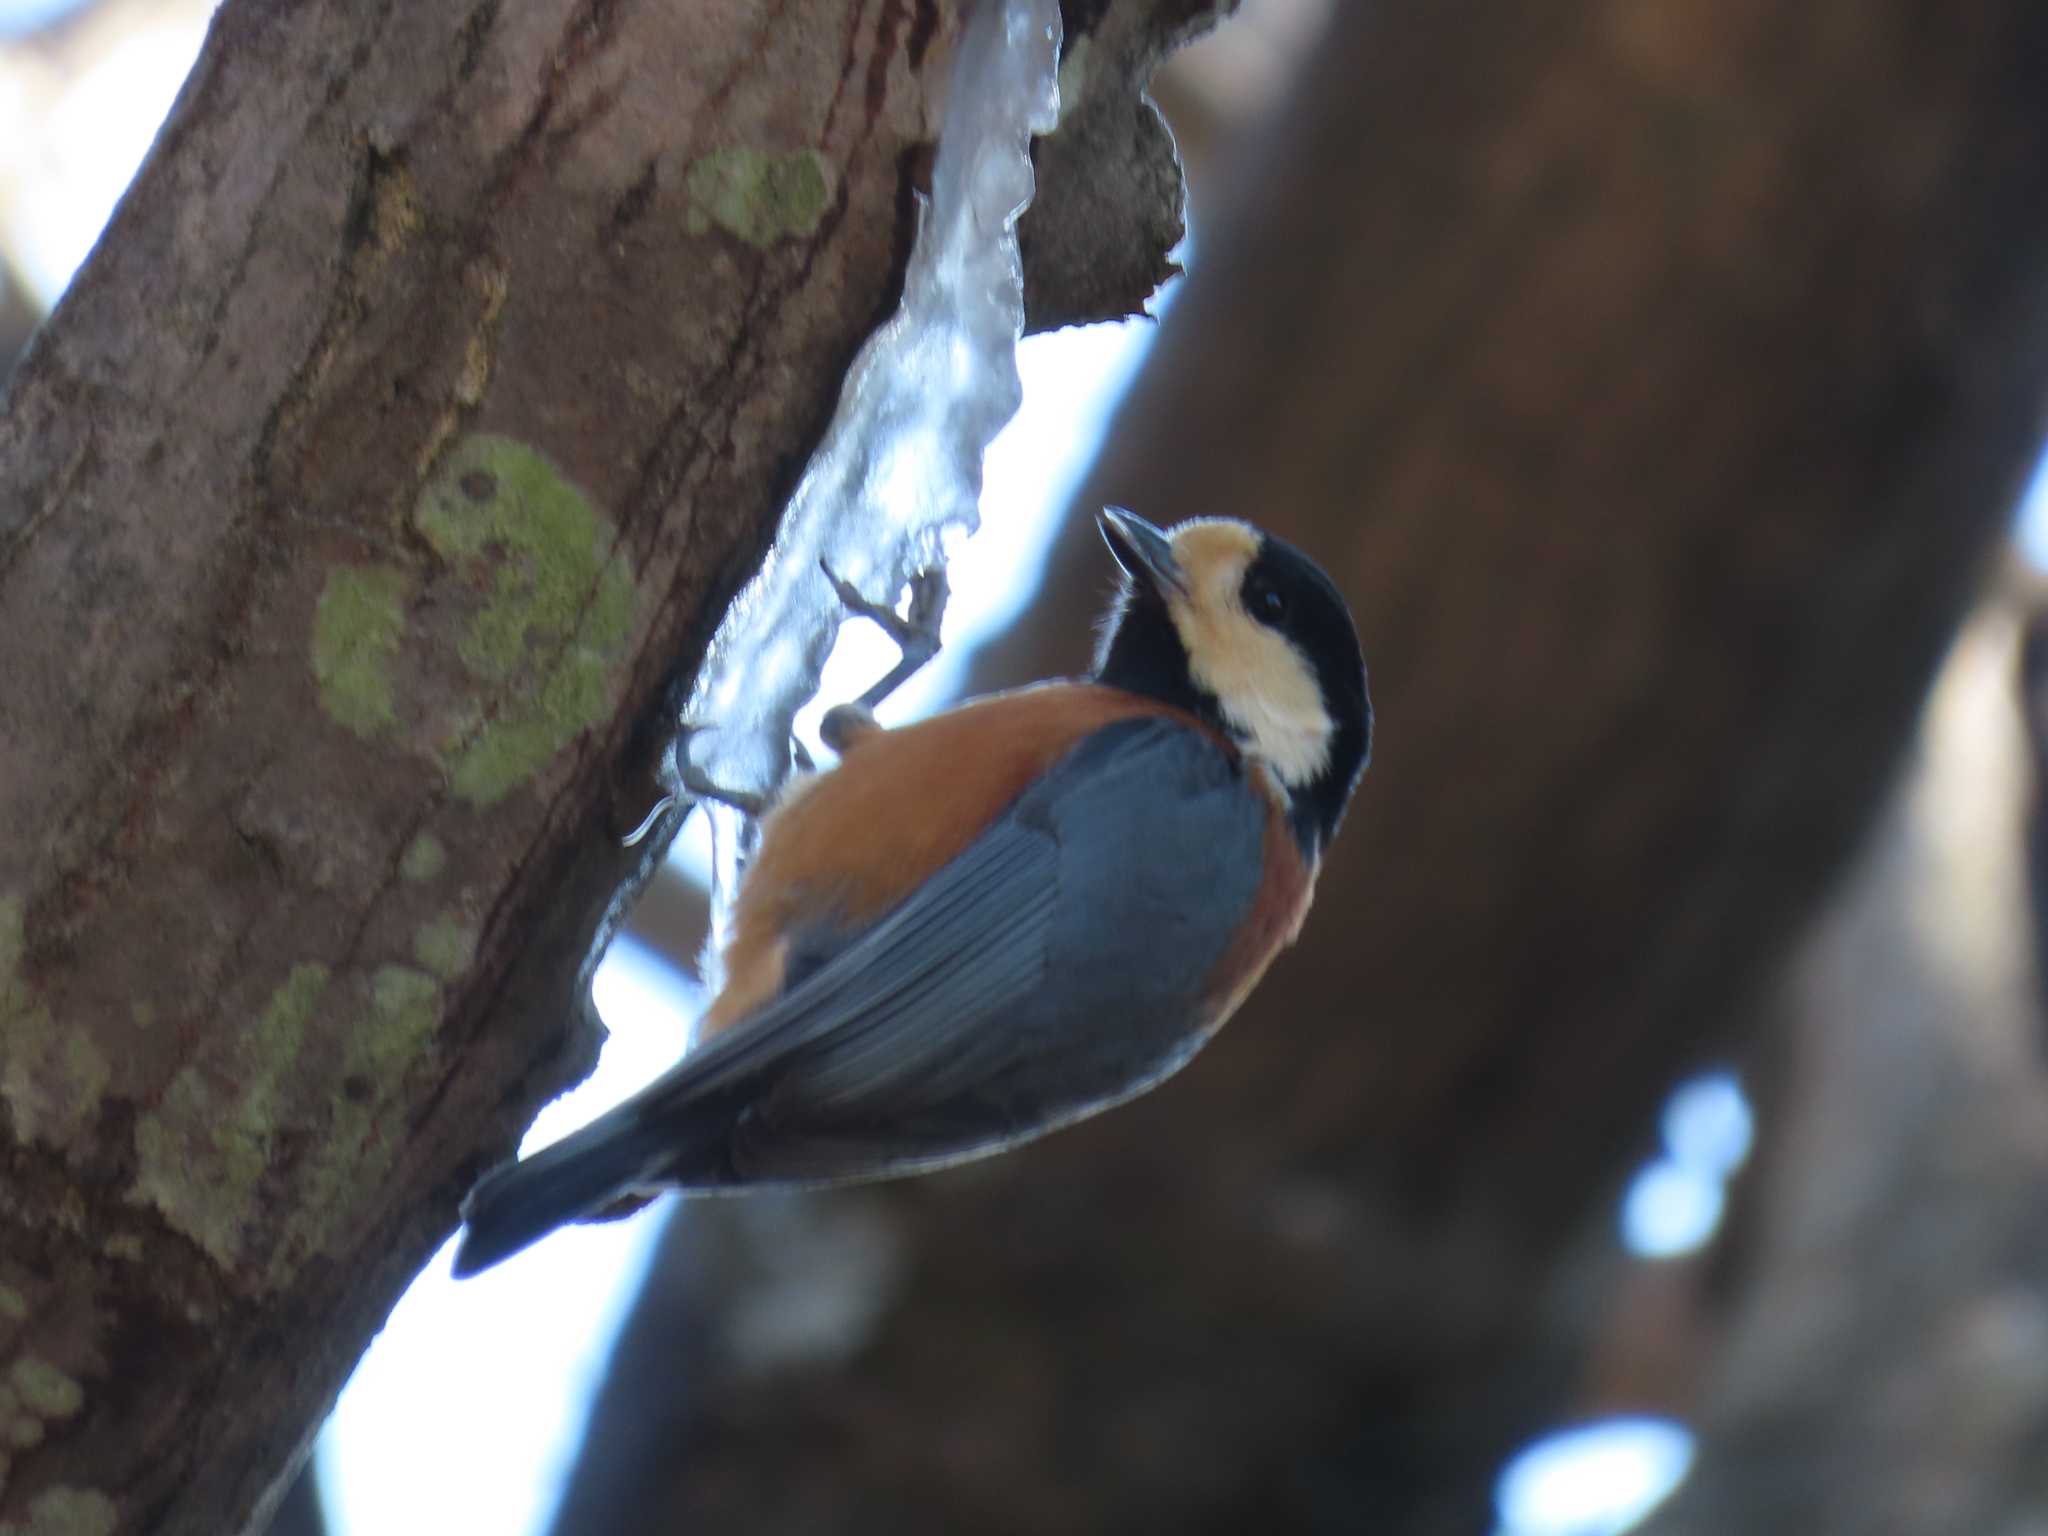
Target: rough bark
x=1654 y=378
x=375 y=485
x=18 y=320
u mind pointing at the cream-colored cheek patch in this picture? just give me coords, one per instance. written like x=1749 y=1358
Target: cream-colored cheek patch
x=1213 y=551
x=1264 y=685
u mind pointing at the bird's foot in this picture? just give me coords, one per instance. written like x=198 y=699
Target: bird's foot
x=845 y=725
x=693 y=784
x=916 y=633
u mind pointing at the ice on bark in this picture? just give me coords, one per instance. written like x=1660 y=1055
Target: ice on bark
x=899 y=469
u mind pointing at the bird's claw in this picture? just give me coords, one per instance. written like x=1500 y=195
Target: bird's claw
x=745 y=801
x=916 y=631
x=648 y=822
x=693 y=784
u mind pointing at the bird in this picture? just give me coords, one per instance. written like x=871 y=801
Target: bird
x=991 y=923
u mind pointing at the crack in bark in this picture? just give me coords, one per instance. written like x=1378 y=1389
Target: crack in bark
x=341 y=315
x=586 y=31
x=856 y=14
x=634 y=202
x=473 y=37
x=19 y=538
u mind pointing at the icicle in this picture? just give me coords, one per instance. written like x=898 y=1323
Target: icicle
x=900 y=465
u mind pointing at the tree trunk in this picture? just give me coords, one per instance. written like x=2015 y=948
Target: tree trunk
x=361 y=509
x=1654 y=378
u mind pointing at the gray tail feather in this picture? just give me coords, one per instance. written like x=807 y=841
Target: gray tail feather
x=516 y=1205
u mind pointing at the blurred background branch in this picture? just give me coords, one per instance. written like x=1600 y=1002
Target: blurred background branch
x=1660 y=379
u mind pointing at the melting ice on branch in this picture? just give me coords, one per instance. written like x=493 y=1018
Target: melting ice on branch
x=900 y=465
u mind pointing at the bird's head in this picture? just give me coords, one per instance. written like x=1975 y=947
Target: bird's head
x=1246 y=632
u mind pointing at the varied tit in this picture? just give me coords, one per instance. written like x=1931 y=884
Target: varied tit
x=989 y=924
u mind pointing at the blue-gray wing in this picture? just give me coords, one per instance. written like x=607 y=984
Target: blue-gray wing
x=1052 y=968
x=1055 y=966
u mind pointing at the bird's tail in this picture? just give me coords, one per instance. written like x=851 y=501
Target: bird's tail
x=518 y=1204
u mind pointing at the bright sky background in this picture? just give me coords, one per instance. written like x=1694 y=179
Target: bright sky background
x=69 y=148
x=2033 y=518
x=19 y=17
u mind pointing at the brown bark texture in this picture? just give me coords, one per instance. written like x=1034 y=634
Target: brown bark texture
x=18 y=320
x=361 y=510
x=1654 y=377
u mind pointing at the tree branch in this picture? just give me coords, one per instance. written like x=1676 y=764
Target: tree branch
x=376 y=484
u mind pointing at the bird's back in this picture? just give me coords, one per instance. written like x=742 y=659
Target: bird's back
x=841 y=849
x=1091 y=966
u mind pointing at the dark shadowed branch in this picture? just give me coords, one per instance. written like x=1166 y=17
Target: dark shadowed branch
x=1655 y=378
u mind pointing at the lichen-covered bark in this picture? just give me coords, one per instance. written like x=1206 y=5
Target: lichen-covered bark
x=359 y=511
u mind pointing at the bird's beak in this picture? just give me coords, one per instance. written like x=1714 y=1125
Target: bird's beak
x=1143 y=551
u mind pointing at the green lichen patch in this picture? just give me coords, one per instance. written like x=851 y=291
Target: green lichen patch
x=13 y=1305
x=555 y=614
x=68 y=1511
x=508 y=750
x=501 y=507
x=43 y=1389
x=357 y=629
x=760 y=197
x=404 y=1010
x=444 y=944
x=203 y=1151
x=52 y=1077
x=24 y=1433
x=344 y=1169
x=396 y=212
x=423 y=859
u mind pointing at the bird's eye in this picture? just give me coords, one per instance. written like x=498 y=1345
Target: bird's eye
x=1265 y=601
